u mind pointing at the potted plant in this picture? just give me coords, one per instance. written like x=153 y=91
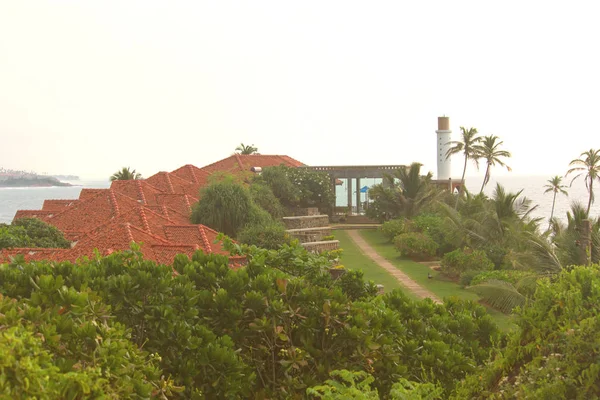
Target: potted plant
x=337 y=271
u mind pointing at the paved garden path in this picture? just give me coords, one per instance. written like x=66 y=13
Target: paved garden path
x=404 y=279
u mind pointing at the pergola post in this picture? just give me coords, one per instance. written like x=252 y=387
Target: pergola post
x=350 y=195
x=357 y=195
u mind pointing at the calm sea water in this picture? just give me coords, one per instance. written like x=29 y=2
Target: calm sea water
x=533 y=188
x=13 y=199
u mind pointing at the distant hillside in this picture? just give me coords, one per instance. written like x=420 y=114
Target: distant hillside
x=31 y=181
x=66 y=177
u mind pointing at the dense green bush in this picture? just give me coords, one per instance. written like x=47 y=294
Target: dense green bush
x=272 y=329
x=415 y=245
x=263 y=196
x=395 y=227
x=31 y=232
x=269 y=235
x=456 y=262
x=224 y=206
x=554 y=353
x=434 y=226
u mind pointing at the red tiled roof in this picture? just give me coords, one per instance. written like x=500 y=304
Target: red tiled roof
x=181 y=203
x=58 y=205
x=40 y=214
x=154 y=212
x=85 y=215
x=137 y=189
x=169 y=183
x=192 y=173
x=243 y=163
x=87 y=193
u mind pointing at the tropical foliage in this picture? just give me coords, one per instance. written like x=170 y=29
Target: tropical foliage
x=415 y=245
x=489 y=150
x=125 y=174
x=469 y=147
x=555 y=187
x=246 y=149
x=588 y=166
x=124 y=327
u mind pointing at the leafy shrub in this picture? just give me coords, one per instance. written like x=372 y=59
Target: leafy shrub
x=224 y=206
x=263 y=196
x=31 y=232
x=328 y=237
x=393 y=228
x=343 y=385
x=433 y=226
x=461 y=260
x=466 y=278
x=266 y=235
x=415 y=245
x=553 y=354
x=271 y=329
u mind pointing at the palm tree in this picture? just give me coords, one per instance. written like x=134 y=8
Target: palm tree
x=125 y=174
x=588 y=163
x=468 y=146
x=246 y=150
x=555 y=185
x=489 y=150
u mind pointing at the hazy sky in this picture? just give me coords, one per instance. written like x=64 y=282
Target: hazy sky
x=86 y=88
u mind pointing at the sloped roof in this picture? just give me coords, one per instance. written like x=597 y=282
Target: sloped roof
x=181 y=203
x=58 y=205
x=243 y=163
x=40 y=214
x=137 y=189
x=192 y=173
x=85 y=215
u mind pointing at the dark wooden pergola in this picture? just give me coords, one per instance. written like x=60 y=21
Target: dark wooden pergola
x=357 y=172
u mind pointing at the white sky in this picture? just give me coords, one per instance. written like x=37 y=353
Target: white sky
x=87 y=88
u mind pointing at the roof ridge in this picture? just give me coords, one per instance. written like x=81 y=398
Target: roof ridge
x=205 y=239
x=190 y=168
x=169 y=183
x=144 y=219
x=239 y=160
x=138 y=183
x=113 y=200
x=128 y=232
x=153 y=236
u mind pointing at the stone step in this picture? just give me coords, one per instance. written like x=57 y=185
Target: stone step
x=325 y=245
x=306 y=221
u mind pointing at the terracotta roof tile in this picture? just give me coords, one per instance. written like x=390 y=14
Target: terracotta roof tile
x=179 y=202
x=58 y=205
x=137 y=189
x=86 y=215
x=34 y=254
x=169 y=183
x=87 y=193
x=192 y=173
x=141 y=217
x=41 y=214
x=241 y=163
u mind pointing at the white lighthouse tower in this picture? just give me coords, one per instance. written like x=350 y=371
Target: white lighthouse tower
x=444 y=165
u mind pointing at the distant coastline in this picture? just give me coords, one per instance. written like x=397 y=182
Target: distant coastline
x=39 y=181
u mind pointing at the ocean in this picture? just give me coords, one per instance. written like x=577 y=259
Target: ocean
x=13 y=199
x=32 y=198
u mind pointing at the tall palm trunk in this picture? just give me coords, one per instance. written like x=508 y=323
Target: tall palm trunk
x=462 y=182
x=552 y=212
x=591 y=195
x=486 y=178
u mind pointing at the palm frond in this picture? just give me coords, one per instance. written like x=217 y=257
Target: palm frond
x=499 y=294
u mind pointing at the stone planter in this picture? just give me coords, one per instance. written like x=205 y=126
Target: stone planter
x=336 y=273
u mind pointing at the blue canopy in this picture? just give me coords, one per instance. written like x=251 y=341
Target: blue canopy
x=364 y=189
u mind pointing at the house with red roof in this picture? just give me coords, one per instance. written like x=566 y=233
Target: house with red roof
x=153 y=212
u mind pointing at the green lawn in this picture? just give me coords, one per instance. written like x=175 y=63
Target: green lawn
x=353 y=258
x=418 y=272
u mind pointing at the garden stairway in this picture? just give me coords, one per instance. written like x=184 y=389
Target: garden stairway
x=311 y=228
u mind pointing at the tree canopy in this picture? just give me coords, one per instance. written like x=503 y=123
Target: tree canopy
x=125 y=174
